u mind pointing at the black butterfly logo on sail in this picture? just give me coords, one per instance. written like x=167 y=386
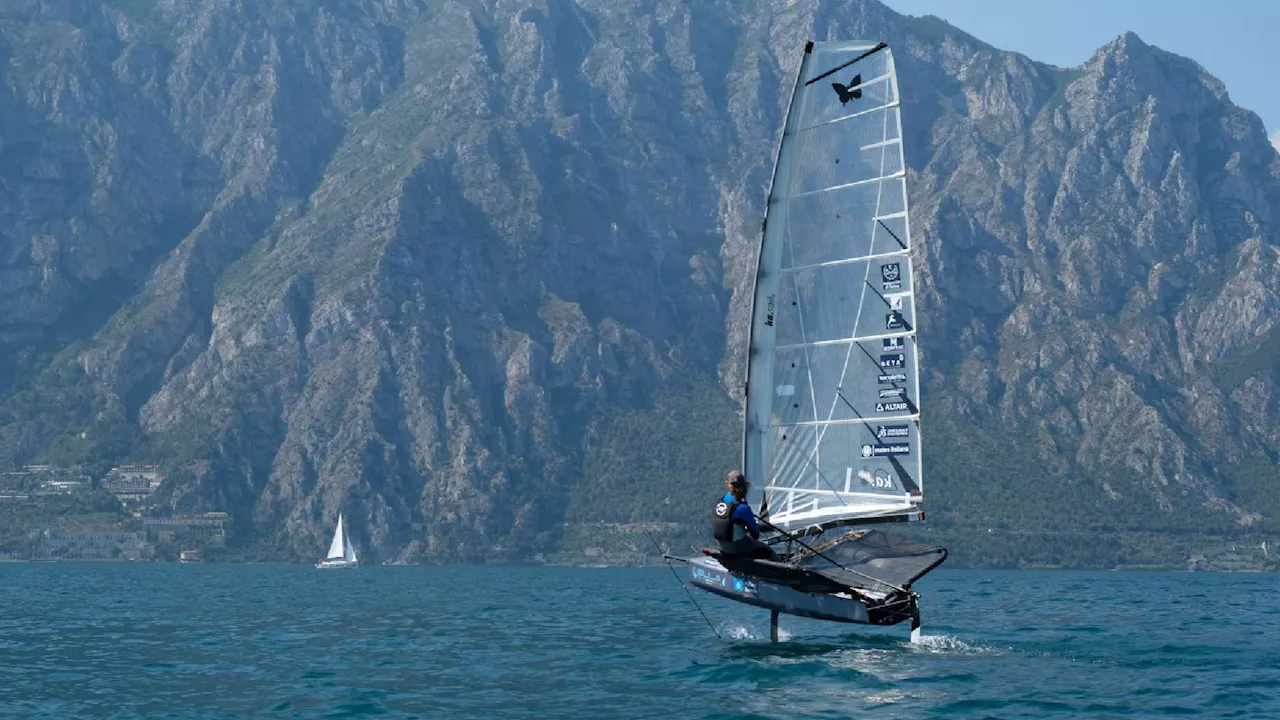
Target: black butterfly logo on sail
x=850 y=91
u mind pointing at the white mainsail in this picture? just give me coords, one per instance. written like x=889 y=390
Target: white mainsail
x=833 y=413
x=338 y=548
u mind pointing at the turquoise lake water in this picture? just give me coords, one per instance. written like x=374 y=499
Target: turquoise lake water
x=226 y=641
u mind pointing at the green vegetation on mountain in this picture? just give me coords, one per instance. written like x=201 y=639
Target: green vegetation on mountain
x=662 y=463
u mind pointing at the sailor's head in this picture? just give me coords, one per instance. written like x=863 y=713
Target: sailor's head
x=736 y=483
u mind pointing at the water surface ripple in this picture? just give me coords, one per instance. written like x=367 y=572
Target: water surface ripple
x=230 y=641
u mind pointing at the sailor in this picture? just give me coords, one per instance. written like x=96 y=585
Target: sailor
x=735 y=525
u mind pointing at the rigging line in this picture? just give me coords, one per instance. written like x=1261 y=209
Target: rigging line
x=842 y=66
x=822 y=555
x=686 y=587
x=895 y=237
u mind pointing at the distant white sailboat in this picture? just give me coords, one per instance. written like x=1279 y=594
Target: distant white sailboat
x=341 y=552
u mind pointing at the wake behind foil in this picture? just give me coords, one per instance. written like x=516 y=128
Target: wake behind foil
x=832 y=435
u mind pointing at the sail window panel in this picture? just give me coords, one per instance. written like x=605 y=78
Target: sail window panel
x=846 y=382
x=868 y=298
x=847 y=152
x=842 y=224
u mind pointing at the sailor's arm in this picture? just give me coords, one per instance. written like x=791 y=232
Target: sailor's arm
x=743 y=512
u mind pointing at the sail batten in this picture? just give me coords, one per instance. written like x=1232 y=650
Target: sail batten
x=832 y=425
x=841 y=341
x=848 y=185
x=859 y=114
x=848 y=421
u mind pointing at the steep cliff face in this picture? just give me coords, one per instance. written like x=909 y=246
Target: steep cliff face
x=1094 y=273
x=463 y=269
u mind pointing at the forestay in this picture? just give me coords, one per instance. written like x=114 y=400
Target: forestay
x=833 y=414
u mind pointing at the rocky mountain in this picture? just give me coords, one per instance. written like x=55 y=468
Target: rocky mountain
x=474 y=272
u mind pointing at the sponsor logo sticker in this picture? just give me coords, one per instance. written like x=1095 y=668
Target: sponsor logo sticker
x=891 y=276
x=891 y=431
x=709 y=577
x=895 y=360
x=883 y=450
x=878 y=479
x=897 y=406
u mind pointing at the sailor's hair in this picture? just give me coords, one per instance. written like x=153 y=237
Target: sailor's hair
x=734 y=477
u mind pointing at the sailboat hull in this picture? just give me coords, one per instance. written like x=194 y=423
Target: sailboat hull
x=863 y=576
x=337 y=564
x=708 y=574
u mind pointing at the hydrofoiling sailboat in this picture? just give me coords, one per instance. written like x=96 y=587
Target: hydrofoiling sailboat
x=832 y=432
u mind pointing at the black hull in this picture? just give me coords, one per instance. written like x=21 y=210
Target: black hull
x=860 y=578
x=845 y=607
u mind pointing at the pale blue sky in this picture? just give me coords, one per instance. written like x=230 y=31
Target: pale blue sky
x=1238 y=41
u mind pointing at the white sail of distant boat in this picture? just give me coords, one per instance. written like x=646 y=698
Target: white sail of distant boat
x=341 y=552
